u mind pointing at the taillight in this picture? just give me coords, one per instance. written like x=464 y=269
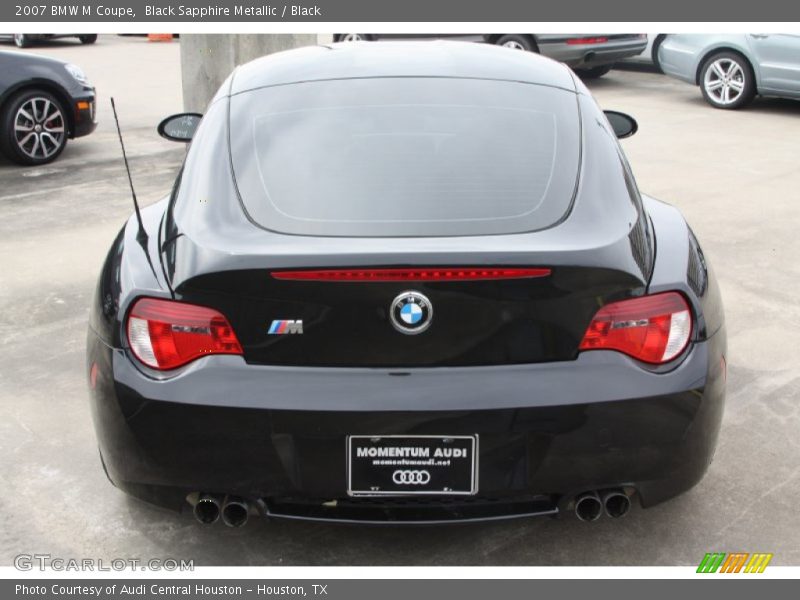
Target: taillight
x=164 y=334
x=654 y=329
x=416 y=274
x=586 y=40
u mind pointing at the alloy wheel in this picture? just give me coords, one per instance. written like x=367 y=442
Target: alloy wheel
x=39 y=128
x=514 y=45
x=352 y=37
x=724 y=81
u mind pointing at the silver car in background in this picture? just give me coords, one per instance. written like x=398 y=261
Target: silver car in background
x=733 y=69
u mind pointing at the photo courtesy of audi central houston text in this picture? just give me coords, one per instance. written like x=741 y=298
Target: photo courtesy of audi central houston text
x=407 y=283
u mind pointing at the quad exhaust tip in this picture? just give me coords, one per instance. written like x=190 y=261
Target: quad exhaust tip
x=589 y=506
x=235 y=511
x=206 y=510
x=616 y=503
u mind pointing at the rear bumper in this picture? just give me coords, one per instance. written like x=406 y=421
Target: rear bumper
x=592 y=55
x=277 y=435
x=679 y=57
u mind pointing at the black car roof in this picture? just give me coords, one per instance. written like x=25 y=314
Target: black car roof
x=400 y=59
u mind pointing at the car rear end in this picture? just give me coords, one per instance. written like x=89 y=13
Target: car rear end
x=325 y=350
x=682 y=55
x=585 y=51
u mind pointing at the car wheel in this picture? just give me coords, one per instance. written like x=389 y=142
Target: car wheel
x=593 y=73
x=654 y=52
x=352 y=37
x=727 y=81
x=88 y=39
x=22 y=40
x=517 y=42
x=33 y=128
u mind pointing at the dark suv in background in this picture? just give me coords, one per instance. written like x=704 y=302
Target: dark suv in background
x=590 y=55
x=23 y=40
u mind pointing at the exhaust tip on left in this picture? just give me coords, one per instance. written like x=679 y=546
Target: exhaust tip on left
x=207 y=509
x=588 y=506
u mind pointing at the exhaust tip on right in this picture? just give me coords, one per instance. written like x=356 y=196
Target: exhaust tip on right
x=616 y=503
x=235 y=512
x=588 y=506
x=207 y=509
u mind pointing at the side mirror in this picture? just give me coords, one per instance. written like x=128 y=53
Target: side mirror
x=180 y=127
x=622 y=124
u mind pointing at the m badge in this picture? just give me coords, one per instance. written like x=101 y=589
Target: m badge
x=283 y=326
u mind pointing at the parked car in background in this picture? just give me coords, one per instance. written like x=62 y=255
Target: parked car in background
x=589 y=54
x=731 y=70
x=23 y=40
x=43 y=102
x=649 y=55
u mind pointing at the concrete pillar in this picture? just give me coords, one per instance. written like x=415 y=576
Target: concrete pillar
x=208 y=59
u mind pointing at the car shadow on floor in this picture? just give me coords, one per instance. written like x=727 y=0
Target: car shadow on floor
x=638 y=68
x=783 y=106
x=759 y=105
x=608 y=81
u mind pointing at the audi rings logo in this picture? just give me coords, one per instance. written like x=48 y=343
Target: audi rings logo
x=411 y=477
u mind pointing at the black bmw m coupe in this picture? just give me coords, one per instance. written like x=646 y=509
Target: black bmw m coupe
x=406 y=283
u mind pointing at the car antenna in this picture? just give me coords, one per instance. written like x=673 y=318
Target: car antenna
x=141 y=236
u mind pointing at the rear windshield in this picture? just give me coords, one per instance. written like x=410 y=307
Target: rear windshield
x=405 y=156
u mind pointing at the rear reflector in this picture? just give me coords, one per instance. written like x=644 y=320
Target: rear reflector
x=164 y=334
x=586 y=40
x=93 y=375
x=654 y=329
x=426 y=274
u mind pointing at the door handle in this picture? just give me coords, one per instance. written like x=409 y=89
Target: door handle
x=760 y=36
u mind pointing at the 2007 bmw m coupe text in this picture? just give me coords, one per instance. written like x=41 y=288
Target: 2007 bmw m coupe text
x=405 y=282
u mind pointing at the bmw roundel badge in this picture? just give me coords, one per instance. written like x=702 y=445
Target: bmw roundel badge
x=411 y=313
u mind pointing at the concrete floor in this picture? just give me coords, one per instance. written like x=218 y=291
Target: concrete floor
x=735 y=175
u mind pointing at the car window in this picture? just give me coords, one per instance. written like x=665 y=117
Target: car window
x=405 y=156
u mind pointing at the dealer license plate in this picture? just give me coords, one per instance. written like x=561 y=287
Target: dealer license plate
x=404 y=465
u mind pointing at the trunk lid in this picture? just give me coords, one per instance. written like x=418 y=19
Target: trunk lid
x=336 y=323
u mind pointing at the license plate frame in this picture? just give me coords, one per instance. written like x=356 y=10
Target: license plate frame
x=413 y=481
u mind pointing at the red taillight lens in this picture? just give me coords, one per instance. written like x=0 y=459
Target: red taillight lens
x=426 y=274
x=165 y=334
x=586 y=40
x=654 y=329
